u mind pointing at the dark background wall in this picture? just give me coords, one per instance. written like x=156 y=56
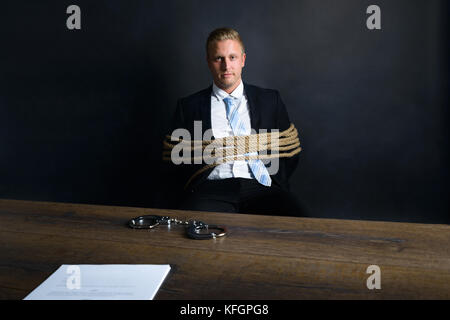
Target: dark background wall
x=82 y=112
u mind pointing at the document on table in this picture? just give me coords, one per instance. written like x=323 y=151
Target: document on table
x=102 y=282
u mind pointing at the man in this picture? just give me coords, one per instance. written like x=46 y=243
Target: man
x=231 y=107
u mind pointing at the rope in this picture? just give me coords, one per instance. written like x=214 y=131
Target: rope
x=282 y=144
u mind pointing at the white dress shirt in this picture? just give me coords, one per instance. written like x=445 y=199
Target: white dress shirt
x=221 y=128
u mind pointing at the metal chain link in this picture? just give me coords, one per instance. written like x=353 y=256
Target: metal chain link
x=193 y=227
x=164 y=220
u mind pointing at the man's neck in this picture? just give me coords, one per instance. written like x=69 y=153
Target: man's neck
x=230 y=89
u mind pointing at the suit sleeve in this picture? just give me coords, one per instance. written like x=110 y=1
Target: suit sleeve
x=283 y=123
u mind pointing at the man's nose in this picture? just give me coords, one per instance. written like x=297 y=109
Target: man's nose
x=225 y=63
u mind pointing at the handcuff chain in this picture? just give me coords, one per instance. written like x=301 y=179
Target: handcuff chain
x=167 y=220
x=193 y=227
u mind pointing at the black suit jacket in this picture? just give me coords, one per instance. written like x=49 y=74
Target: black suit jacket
x=267 y=111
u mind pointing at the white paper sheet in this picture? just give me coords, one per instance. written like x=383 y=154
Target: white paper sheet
x=102 y=282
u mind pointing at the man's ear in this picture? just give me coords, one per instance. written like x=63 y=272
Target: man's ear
x=243 y=59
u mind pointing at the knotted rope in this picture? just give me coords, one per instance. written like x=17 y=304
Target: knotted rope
x=282 y=144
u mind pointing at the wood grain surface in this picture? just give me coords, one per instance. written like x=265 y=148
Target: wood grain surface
x=263 y=257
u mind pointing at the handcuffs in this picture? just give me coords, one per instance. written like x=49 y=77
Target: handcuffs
x=194 y=228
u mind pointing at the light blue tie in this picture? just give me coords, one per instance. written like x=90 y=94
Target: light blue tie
x=239 y=129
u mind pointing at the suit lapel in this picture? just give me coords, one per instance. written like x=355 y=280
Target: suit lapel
x=255 y=116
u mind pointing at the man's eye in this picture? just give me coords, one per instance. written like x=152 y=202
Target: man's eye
x=232 y=57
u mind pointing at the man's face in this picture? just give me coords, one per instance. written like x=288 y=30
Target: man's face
x=226 y=60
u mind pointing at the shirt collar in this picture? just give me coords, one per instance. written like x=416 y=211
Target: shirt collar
x=221 y=94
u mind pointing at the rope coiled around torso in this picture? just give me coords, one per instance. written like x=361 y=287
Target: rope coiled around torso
x=249 y=147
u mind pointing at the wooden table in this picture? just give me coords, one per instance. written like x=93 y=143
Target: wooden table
x=263 y=257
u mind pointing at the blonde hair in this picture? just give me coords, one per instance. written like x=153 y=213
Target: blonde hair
x=221 y=34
